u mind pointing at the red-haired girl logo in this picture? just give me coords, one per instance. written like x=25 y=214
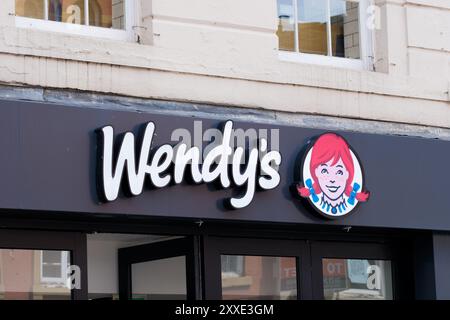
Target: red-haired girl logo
x=332 y=177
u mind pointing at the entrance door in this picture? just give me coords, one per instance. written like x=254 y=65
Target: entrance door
x=241 y=268
x=359 y=271
x=161 y=270
x=259 y=269
x=223 y=268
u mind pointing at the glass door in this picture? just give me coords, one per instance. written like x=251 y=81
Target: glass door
x=158 y=271
x=275 y=269
x=358 y=271
x=255 y=269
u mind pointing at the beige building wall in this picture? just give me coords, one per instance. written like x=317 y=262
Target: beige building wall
x=226 y=52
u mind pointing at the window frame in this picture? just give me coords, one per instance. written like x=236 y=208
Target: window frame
x=126 y=34
x=73 y=242
x=238 y=266
x=365 y=62
x=62 y=265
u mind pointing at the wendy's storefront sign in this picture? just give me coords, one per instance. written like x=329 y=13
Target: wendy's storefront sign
x=332 y=177
x=331 y=174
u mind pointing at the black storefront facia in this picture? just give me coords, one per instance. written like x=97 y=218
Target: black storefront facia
x=50 y=160
x=49 y=184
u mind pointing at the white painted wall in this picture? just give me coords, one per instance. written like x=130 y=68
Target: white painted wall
x=103 y=266
x=226 y=52
x=165 y=276
x=159 y=277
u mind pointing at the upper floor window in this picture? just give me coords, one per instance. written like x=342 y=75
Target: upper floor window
x=324 y=32
x=102 y=18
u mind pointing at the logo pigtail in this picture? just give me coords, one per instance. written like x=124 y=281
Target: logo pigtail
x=307 y=191
x=354 y=194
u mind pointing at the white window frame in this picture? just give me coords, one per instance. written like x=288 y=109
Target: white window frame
x=365 y=43
x=238 y=268
x=128 y=34
x=64 y=269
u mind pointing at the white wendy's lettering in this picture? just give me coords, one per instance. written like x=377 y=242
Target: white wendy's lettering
x=165 y=164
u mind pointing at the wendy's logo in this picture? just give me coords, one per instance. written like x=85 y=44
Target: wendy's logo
x=331 y=177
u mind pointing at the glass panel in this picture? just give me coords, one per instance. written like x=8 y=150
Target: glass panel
x=312 y=26
x=51 y=271
x=70 y=11
x=233 y=265
x=286 y=25
x=30 y=8
x=107 y=13
x=258 y=278
x=51 y=256
x=102 y=13
x=21 y=275
x=159 y=279
x=345 y=29
x=118 y=14
x=51 y=265
x=350 y=279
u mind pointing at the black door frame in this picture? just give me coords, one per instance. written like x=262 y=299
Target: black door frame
x=75 y=242
x=214 y=247
x=309 y=256
x=16 y=230
x=186 y=246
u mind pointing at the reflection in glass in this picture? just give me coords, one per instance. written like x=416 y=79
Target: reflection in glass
x=353 y=279
x=102 y=13
x=71 y=11
x=118 y=15
x=159 y=279
x=34 y=274
x=31 y=8
x=345 y=29
x=286 y=25
x=107 y=13
x=312 y=26
x=257 y=277
x=324 y=27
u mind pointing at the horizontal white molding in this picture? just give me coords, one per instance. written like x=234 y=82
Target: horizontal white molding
x=316 y=59
x=214 y=24
x=71 y=28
